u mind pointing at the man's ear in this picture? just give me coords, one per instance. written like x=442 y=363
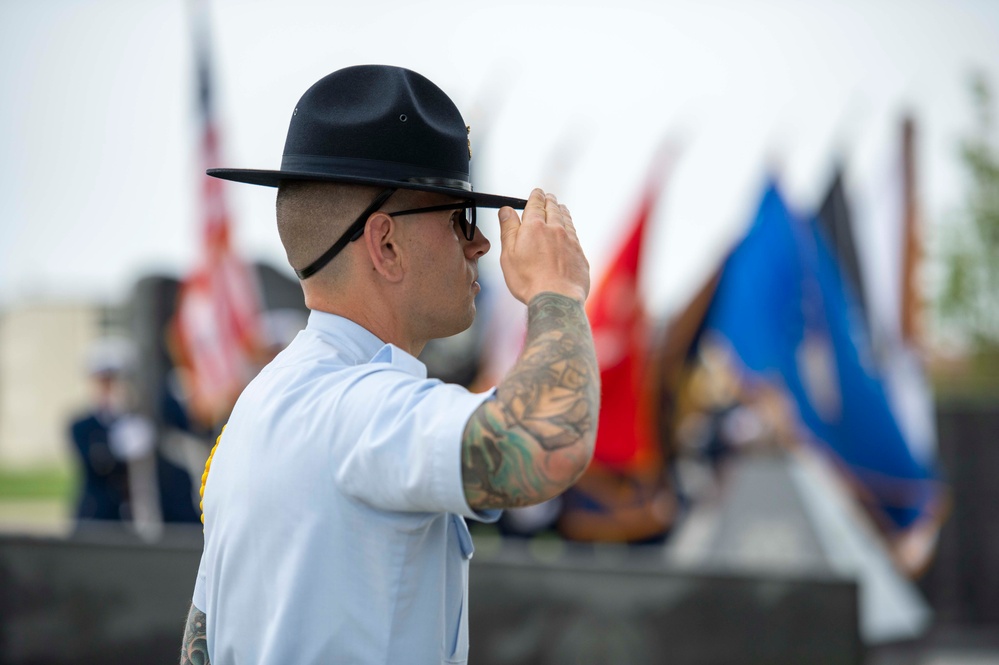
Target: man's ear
x=382 y=243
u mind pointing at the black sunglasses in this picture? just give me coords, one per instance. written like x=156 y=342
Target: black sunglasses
x=466 y=222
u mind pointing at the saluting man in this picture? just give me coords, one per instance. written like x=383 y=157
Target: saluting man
x=336 y=497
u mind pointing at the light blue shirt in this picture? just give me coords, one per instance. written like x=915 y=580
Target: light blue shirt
x=333 y=510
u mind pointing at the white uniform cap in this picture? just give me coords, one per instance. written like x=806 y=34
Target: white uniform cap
x=112 y=355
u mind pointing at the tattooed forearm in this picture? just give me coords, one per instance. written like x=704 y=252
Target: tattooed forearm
x=534 y=439
x=195 y=649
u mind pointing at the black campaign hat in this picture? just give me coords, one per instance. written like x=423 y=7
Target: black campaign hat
x=376 y=125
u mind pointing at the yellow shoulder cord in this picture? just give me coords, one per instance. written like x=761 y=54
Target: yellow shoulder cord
x=204 y=476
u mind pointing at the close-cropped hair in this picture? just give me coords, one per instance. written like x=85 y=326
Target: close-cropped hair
x=311 y=216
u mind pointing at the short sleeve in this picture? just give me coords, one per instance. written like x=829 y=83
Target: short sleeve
x=200 y=599
x=407 y=455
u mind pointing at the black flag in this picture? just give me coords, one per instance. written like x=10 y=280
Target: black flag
x=835 y=220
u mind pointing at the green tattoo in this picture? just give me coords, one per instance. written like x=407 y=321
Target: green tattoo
x=195 y=648
x=534 y=439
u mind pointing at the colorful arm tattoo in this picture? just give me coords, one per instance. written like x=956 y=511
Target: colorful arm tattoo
x=534 y=439
x=195 y=648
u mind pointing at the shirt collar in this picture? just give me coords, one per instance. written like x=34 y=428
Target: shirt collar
x=361 y=345
x=402 y=360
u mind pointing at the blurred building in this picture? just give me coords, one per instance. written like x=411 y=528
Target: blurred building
x=43 y=348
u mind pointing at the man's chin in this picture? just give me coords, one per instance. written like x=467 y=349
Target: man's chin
x=454 y=327
x=466 y=322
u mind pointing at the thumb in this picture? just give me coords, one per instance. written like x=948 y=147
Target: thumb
x=509 y=223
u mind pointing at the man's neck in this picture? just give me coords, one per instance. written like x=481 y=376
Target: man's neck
x=382 y=324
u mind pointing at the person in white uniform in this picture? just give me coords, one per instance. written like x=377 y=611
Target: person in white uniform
x=335 y=500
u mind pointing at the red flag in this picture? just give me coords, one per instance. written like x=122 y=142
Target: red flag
x=217 y=325
x=625 y=437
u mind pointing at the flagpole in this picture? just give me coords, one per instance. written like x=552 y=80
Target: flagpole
x=910 y=313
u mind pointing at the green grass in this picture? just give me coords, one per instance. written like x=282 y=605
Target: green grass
x=55 y=482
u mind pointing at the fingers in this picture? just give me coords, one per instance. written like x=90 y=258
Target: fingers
x=509 y=223
x=553 y=214
x=534 y=211
x=558 y=213
x=567 y=221
x=541 y=251
x=541 y=208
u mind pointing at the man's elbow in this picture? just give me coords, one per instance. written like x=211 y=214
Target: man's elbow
x=565 y=466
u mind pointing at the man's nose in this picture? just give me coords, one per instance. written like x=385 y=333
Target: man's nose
x=478 y=245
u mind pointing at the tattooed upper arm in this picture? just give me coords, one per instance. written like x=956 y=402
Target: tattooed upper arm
x=536 y=436
x=195 y=648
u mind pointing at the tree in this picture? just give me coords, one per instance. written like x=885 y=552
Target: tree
x=969 y=300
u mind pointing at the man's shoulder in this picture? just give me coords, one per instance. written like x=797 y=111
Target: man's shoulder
x=85 y=422
x=310 y=373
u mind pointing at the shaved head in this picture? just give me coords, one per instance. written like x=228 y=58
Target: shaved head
x=311 y=216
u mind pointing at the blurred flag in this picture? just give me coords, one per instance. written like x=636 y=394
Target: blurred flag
x=218 y=322
x=623 y=496
x=670 y=361
x=621 y=331
x=785 y=311
x=836 y=220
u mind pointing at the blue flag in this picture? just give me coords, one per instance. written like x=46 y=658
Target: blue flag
x=786 y=312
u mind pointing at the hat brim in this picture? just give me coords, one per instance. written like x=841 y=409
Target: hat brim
x=275 y=178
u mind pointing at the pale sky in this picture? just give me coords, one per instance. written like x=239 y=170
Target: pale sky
x=99 y=134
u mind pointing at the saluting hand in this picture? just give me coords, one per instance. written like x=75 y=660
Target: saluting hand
x=541 y=252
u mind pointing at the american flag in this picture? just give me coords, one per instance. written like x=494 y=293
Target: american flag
x=218 y=319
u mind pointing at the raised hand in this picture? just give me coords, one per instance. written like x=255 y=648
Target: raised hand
x=541 y=252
